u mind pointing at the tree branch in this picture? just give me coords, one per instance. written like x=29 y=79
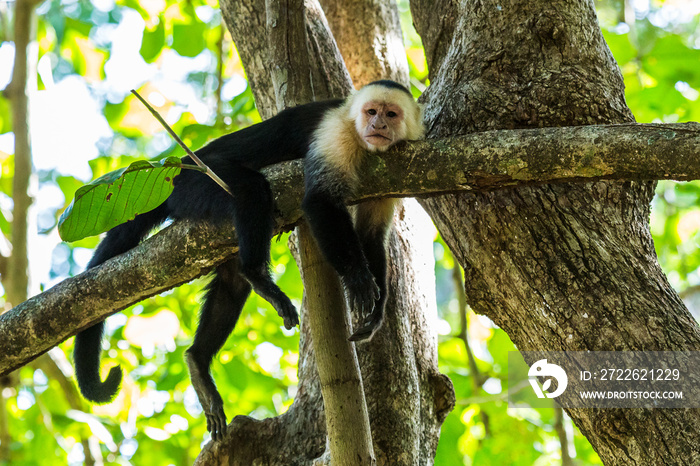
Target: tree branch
x=480 y=161
x=17 y=278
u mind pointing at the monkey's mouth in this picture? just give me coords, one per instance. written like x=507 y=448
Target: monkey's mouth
x=379 y=138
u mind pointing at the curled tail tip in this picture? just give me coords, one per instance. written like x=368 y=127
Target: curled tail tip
x=102 y=392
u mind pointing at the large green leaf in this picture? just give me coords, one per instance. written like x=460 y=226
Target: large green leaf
x=118 y=197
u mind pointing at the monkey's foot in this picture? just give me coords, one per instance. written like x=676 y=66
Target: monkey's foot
x=216 y=420
x=213 y=407
x=368 y=328
x=270 y=292
x=209 y=398
x=362 y=291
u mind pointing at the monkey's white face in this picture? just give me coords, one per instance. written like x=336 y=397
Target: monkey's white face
x=380 y=124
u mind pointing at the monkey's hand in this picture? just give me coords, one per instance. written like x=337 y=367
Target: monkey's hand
x=288 y=313
x=363 y=292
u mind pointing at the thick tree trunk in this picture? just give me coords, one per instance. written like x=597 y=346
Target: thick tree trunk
x=368 y=56
x=406 y=404
x=559 y=267
x=247 y=22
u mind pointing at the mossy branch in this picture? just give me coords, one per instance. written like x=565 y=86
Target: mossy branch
x=476 y=162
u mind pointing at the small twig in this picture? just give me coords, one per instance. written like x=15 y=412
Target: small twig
x=478 y=378
x=220 y=73
x=690 y=291
x=563 y=438
x=192 y=155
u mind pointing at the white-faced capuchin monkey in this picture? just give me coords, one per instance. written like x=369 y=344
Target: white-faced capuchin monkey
x=333 y=137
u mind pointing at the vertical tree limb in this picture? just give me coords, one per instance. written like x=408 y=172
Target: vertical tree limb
x=347 y=421
x=408 y=403
x=221 y=54
x=290 y=71
x=563 y=438
x=370 y=39
x=16 y=268
x=298 y=435
x=477 y=377
x=16 y=279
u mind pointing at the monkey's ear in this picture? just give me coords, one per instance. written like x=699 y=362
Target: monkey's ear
x=421 y=112
x=352 y=103
x=415 y=129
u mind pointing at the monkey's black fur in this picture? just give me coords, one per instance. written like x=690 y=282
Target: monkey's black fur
x=357 y=252
x=236 y=158
x=391 y=85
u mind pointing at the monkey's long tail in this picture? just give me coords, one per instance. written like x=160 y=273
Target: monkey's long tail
x=88 y=343
x=86 y=353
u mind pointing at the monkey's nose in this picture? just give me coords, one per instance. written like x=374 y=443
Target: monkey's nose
x=378 y=126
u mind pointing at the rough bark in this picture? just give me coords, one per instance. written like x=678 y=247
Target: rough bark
x=566 y=266
x=402 y=434
x=287 y=43
x=246 y=20
x=305 y=420
x=347 y=422
x=392 y=400
x=369 y=37
x=409 y=402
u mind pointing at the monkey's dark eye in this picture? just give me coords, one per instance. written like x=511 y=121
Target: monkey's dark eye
x=391 y=114
x=372 y=111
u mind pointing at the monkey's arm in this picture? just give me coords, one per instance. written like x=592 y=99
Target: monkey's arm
x=335 y=235
x=373 y=220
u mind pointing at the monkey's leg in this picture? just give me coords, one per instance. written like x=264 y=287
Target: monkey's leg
x=251 y=208
x=225 y=297
x=376 y=255
x=253 y=217
x=372 y=222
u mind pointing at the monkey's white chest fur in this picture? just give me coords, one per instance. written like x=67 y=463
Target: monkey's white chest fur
x=335 y=154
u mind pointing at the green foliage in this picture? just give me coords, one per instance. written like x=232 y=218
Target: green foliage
x=671 y=60
x=153 y=41
x=156 y=418
x=118 y=197
x=188 y=38
x=5 y=115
